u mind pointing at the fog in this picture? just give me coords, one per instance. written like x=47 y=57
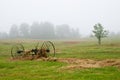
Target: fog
x=78 y=14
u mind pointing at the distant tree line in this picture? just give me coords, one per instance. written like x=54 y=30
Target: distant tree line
x=43 y=30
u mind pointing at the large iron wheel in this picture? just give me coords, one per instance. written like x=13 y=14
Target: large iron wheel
x=49 y=47
x=17 y=50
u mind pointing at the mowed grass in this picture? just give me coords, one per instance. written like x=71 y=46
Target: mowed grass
x=46 y=70
x=89 y=50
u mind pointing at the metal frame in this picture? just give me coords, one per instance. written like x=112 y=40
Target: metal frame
x=47 y=48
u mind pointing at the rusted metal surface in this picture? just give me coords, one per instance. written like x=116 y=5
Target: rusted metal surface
x=47 y=49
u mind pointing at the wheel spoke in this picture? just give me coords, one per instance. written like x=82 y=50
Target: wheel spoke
x=49 y=47
x=17 y=51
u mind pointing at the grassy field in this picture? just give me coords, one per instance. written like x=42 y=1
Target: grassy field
x=50 y=70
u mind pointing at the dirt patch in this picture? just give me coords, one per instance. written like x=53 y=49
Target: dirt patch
x=74 y=63
x=110 y=62
x=33 y=58
x=88 y=63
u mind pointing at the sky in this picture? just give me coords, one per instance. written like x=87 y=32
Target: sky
x=81 y=14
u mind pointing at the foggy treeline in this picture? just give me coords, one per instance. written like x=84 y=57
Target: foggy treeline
x=43 y=30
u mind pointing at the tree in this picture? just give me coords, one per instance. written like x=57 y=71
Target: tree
x=47 y=30
x=63 y=31
x=75 y=33
x=99 y=32
x=44 y=30
x=14 y=32
x=24 y=30
x=35 y=31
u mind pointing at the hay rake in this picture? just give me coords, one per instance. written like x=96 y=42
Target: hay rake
x=47 y=49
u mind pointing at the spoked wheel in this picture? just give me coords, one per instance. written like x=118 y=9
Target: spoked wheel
x=17 y=51
x=49 y=47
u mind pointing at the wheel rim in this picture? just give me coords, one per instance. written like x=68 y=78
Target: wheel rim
x=49 y=47
x=17 y=50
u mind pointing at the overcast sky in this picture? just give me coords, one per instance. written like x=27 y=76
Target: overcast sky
x=82 y=14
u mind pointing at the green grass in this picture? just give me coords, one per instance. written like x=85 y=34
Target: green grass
x=39 y=70
x=28 y=70
x=90 y=50
x=46 y=70
x=35 y=70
